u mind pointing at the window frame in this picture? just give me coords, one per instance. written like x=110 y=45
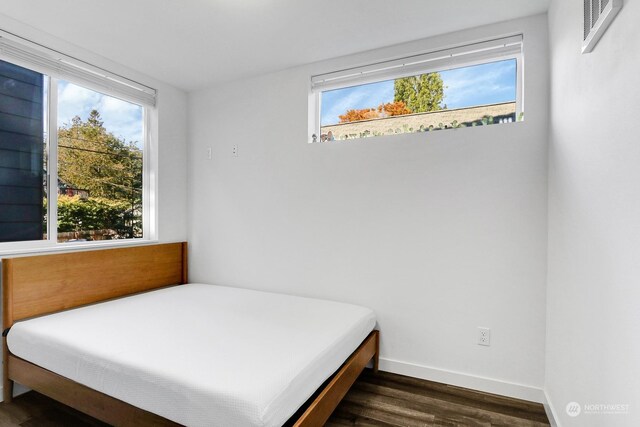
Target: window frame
x=437 y=65
x=149 y=168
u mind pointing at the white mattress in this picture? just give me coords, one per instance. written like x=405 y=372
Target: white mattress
x=200 y=355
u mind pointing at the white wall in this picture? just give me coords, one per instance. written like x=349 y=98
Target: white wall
x=172 y=164
x=169 y=126
x=439 y=233
x=593 y=346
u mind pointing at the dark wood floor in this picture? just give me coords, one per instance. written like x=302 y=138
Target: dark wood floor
x=381 y=399
x=385 y=399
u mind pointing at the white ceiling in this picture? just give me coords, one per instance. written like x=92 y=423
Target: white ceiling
x=195 y=43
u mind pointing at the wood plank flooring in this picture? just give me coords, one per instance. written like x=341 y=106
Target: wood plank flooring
x=381 y=399
x=386 y=399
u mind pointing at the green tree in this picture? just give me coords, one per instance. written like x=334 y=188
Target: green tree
x=420 y=94
x=109 y=168
x=93 y=159
x=76 y=214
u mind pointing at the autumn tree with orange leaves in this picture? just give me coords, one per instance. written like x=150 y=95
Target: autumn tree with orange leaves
x=396 y=108
x=357 y=115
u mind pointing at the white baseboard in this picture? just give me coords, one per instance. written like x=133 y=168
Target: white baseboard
x=488 y=385
x=551 y=412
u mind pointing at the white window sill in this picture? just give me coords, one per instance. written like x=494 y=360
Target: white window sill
x=77 y=246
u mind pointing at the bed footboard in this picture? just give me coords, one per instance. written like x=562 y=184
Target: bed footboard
x=323 y=406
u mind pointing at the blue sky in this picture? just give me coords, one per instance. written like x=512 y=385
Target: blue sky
x=121 y=118
x=476 y=85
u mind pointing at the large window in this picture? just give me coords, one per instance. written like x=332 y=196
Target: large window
x=473 y=85
x=100 y=159
x=72 y=158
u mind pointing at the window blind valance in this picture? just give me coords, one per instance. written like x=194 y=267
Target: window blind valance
x=39 y=58
x=438 y=60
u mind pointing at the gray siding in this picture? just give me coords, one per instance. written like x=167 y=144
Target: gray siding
x=21 y=153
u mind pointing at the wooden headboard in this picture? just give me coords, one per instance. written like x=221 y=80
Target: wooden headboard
x=43 y=284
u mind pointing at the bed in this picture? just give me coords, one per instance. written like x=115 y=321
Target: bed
x=121 y=336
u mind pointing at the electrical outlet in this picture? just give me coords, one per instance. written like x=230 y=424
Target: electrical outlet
x=234 y=150
x=484 y=336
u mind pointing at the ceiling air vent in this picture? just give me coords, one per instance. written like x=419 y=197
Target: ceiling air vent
x=598 y=14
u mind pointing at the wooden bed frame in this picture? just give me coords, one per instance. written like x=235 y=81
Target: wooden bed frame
x=43 y=284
